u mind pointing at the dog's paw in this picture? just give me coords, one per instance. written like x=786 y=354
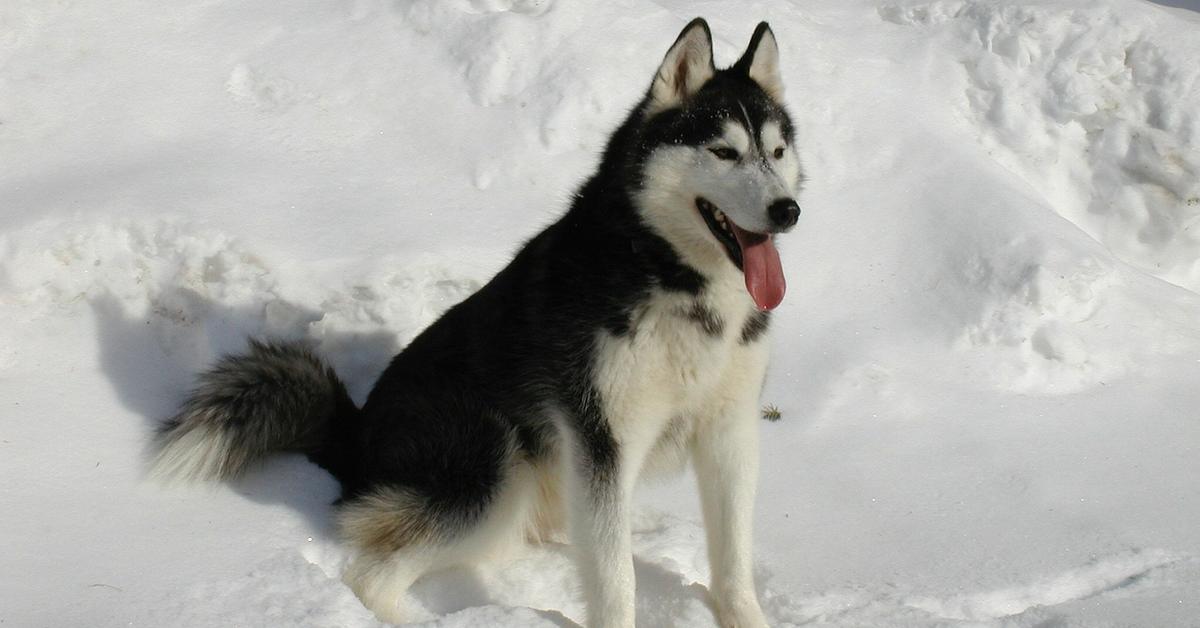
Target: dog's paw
x=740 y=611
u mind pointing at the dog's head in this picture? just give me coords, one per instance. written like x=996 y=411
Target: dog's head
x=719 y=169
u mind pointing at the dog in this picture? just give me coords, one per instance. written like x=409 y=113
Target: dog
x=629 y=335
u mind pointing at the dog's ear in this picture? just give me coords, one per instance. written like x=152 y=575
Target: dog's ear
x=687 y=66
x=761 y=61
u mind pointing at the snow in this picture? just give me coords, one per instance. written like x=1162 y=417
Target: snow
x=986 y=364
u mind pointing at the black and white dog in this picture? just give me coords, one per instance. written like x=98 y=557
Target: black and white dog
x=626 y=336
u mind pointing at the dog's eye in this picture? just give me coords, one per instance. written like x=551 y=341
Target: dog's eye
x=725 y=154
x=779 y=153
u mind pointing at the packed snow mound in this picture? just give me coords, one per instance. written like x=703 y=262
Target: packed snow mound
x=1037 y=316
x=201 y=291
x=1097 y=108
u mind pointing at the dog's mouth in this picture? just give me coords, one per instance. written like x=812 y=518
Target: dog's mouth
x=753 y=253
x=720 y=226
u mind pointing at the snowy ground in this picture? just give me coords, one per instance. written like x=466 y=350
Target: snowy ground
x=987 y=364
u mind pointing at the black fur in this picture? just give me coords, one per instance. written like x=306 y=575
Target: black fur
x=471 y=390
x=756 y=325
x=709 y=321
x=276 y=397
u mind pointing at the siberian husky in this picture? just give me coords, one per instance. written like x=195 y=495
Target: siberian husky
x=626 y=336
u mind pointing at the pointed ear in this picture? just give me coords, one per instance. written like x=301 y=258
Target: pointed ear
x=761 y=61
x=687 y=66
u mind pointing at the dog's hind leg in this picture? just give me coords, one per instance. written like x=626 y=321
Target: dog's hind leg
x=399 y=536
x=395 y=536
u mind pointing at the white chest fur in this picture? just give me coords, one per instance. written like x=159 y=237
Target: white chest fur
x=683 y=362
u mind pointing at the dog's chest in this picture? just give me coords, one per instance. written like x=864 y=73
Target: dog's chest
x=680 y=353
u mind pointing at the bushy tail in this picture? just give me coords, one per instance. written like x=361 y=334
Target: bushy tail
x=277 y=397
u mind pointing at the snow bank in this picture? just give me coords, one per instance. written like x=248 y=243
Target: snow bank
x=1097 y=107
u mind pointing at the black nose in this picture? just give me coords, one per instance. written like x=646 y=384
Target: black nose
x=784 y=213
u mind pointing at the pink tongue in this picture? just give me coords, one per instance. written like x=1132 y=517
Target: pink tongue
x=764 y=272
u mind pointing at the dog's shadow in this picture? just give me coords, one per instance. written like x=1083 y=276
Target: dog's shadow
x=152 y=359
x=665 y=598
x=460 y=588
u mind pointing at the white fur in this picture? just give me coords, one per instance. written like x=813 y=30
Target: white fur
x=788 y=167
x=666 y=372
x=764 y=68
x=735 y=136
x=686 y=67
x=197 y=454
x=677 y=175
x=725 y=455
x=381 y=581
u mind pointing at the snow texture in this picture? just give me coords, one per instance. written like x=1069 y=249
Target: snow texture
x=986 y=366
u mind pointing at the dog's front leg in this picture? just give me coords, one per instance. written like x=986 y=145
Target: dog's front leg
x=725 y=453
x=600 y=502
